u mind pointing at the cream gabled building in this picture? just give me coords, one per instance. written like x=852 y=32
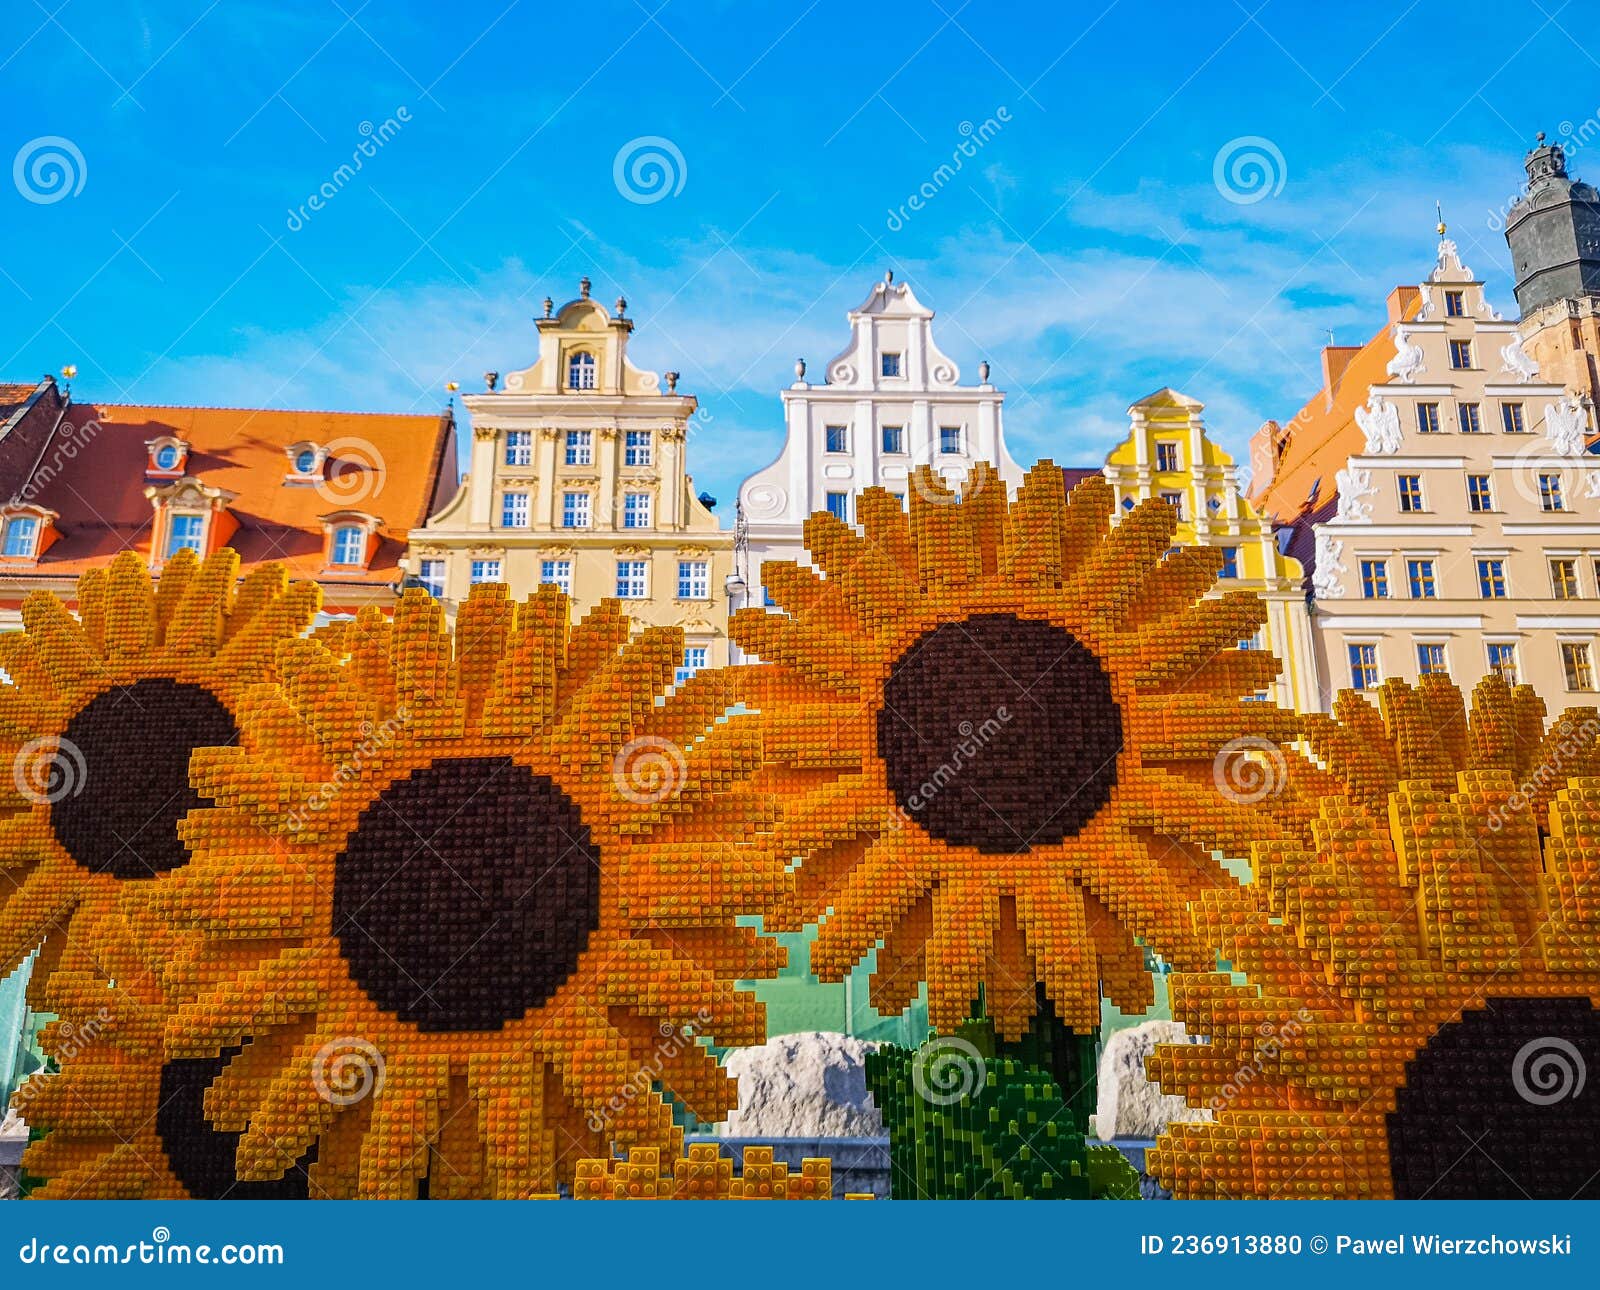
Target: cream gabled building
x=577 y=477
x=890 y=401
x=1167 y=455
x=1452 y=504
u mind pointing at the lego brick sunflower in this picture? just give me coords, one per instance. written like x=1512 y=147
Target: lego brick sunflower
x=454 y=896
x=100 y=720
x=1417 y=1013
x=995 y=732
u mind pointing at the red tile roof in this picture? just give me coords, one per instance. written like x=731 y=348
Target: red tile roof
x=1324 y=433
x=399 y=468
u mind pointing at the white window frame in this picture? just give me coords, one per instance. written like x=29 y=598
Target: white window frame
x=556 y=573
x=695 y=575
x=519 y=448
x=485 y=571
x=342 y=534
x=636 y=510
x=516 y=509
x=639 y=448
x=578 y=448
x=633 y=579
x=576 y=504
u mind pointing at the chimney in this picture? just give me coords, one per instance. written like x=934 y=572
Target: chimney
x=1402 y=302
x=1335 y=358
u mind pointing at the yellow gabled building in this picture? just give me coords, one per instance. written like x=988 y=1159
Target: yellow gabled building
x=1168 y=456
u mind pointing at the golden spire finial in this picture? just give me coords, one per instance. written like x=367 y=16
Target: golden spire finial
x=1439 y=211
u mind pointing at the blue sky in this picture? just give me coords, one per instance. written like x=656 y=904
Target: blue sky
x=1087 y=248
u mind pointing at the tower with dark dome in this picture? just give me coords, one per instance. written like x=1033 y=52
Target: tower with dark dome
x=1554 y=235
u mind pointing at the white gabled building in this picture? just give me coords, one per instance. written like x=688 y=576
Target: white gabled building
x=890 y=401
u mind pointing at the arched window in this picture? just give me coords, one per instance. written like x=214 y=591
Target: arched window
x=349 y=545
x=581 y=371
x=22 y=532
x=167 y=457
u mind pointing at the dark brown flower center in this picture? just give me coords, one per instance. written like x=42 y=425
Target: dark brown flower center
x=466 y=894
x=1000 y=733
x=120 y=780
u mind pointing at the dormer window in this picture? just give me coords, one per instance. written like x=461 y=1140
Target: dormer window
x=169 y=457
x=352 y=539
x=582 y=373
x=27 y=530
x=349 y=545
x=185 y=532
x=306 y=462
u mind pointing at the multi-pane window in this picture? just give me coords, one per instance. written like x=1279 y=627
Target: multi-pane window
x=894 y=439
x=558 y=573
x=1492 y=578
x=580 y=447
x=890 y=365
x=1578 y=664
x=1550 y=493
x=185 y=532
x=519 y=447
x=1480 y=495
x=514 y=510
x=949 y=439
x=1427 y=418
x=1167 y=457
x=1363 y=667
x=1564 y=579
x=574 y=510
x=349 y=545
x=1511 y=419
x=1461 y=354
x=1454 y=304
x=694 y=580
x=1419 y=574
x=581 y=371
x=694 y=658
x=1503 y=661
x=1430 y=659
x=21 y=532
x=631 y=580
x=839 y=506
x=486 y=571
x=639 y=448
x=430 y=576
x=1374 y=579
x=636 y=510
x=1468 y=418
x=838 y=439
x=1174 y=500
x=1410 y=487
x=1230 y=562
